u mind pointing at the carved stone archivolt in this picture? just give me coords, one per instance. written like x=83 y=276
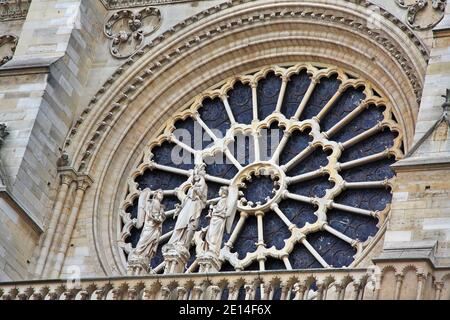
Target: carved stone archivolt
x=423 y=14
x=14 y=9
x=123 y=4
x=8 y=45
x=127 y=30
x=327 y=176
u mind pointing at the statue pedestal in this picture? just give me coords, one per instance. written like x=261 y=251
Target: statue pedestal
x=138 y=266
x=176 y=258
x=209 y=262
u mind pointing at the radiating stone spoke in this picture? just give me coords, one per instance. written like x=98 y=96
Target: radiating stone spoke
x=306 y=176
x=165 y=236
x=365 y=160
x=294 y=161
x=226 y=103
x=339 y=235
x=236 y=231
x=161 y=167
x=330 y=103
x=361 y=137
x=283 y=217
x=280 y=147
x=182 y=145
x=305 y=99
x=346 y=120
x=281 y=95
x=353 y=209
x=299 y=198
x=366 y=184
x=313 y=251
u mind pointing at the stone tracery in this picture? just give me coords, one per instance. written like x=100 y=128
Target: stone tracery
x=324 y=209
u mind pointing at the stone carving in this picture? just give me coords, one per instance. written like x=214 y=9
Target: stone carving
x=127 y=30
x=222 y=216
x=3 y=133
x=14 y=9
x=7 y=48
x=423 y=14
x=122 y=4
x=176 y=252
x=151 y=216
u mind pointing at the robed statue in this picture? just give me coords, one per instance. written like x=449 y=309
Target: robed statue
x=150 y=217
x=189 y=211
x=222 y=216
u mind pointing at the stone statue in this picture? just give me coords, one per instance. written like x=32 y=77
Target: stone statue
x=221 y=215
x=151 y=216
x=190 y=210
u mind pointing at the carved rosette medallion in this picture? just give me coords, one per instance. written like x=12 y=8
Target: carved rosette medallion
x=423 y=14
x=309 y=149
x=8 y=45
x=127 y=30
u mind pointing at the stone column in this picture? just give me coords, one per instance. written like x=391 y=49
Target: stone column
x=66 y=180
x=82 y=184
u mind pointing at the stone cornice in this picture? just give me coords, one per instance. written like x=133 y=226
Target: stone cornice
x=123 y=4
x=14 y=9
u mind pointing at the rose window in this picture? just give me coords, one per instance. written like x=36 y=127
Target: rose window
x=309 y=149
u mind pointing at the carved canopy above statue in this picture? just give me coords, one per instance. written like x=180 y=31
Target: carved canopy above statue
x=308 y=146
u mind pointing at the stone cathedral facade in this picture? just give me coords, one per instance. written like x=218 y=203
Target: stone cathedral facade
x=239 y=149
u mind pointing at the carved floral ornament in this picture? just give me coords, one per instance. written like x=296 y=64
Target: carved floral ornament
x=423 y=14
x=8 y=45
x=127 y=30
x=317 y=198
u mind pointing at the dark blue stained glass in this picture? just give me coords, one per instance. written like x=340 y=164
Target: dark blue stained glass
x=323 y=92
x=221 y=167
x=363 y=122
x=276 y=292
x=352 y=225
x=274 y=264
x=257 y=293
x=191 y=258
x=227 y=267
x=268 y=93
x=204 y=221
x=334 y=251
x=349 y=100
x=241 y=294
x=213 y=190
x=374 y=171
x=312 y=188
x=295 y=91
x=191 y=133
x=247 y=239
x=258 y=189
x=298 y=213
x=241 y=103
x=243 y=149
x=215 y=116
x=169 y=154
x=254 y=266
x=157 y=179
x=370 y=199
x=297 y=142
x=275 y=231
x=269 y=140
x=372 y=145
x=134 y=237
x=158 y=258
x=318 y=158
x=169 y=202
x=133 y=209
x=301 y=258
x=225 y=293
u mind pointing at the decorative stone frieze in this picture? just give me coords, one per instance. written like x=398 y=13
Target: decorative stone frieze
x=14 y=9
x=8 y=45
x=123 y=4
x=387 y=282
x=423 y=14
x=127 y=30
